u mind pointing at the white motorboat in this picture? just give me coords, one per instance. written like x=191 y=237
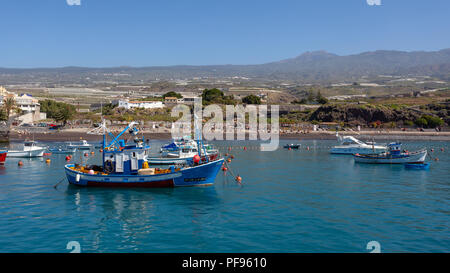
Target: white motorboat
x=83 y=145
x=393 y=156
x=30 y=149
x=351 y=145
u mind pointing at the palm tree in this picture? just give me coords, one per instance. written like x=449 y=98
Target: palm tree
x=10 y=103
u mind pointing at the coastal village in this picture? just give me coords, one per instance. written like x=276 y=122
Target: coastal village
x=78 y=110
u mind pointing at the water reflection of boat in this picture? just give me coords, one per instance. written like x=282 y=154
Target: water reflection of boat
x=29 y=149
x=62 y=150
x=125 y=165
x=351 y=145
x=394 y=155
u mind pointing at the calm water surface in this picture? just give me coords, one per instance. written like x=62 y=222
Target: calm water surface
x=290 y=201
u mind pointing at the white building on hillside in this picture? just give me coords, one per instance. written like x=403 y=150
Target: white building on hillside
x=27 y=103
x=140 y=104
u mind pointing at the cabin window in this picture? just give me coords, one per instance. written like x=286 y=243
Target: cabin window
x=134 y=154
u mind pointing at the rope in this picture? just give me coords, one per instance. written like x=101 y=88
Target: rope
x=231 y=172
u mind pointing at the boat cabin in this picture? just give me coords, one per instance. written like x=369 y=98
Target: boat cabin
x=126 y=161
x=395 y=148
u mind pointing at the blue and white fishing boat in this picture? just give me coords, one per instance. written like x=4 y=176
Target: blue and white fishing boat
x=394 y=155
x=182 y=150
x=125 y=165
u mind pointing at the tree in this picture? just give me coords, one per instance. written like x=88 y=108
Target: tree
x=251 y=99
x=59 y=111
x=64 y=114
x=3 y=115
x=173 y=94
x=10 y=103
x=433 y=121
x=421 y=122
x=321 y=99
x=214 y=95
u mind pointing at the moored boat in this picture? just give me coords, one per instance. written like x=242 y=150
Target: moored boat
x=394 y=155
x=180 y=151
x=352 y=145
x=30 y=149
x=125 y=165
x=83 y=145
x=292 y=146
x=3 y=157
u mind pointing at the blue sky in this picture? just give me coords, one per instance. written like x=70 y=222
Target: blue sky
x=100 y=33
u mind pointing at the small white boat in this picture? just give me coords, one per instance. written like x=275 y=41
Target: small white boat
x=83 y=145
x=393 y=156
x=30 y=149
x=351 y=145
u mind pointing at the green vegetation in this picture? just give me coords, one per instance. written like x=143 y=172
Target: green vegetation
x=428 y=121
x=321 y=99
x=59 y=111
x=173 y=94
x=8 y=106
x=215 y=96
x=3 y=116
x=251 y=99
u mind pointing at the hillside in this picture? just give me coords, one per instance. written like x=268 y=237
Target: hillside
x=309 y=67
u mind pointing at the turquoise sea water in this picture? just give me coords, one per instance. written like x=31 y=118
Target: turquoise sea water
x=290 y=201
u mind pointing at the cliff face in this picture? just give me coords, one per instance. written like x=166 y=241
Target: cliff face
x=362 y=114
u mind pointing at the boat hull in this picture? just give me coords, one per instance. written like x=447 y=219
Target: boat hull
x=201 y=175
x=26 y=154
x=416 y=157
x=2 y=157
x=357 y=150
x=174 y=161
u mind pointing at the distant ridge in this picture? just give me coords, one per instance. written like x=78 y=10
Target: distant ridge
x=313 y=66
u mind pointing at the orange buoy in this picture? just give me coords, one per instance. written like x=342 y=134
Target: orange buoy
x=47 y=160
x=67 y=158
x=92 y=153
x=229 y=160
x=226 y=154
x=436 y=159
x=101 y=150
x=232 y=156
x=86 y=154
x=20 y=163
x=224 y=169
x=245 y=148
x=238 y=179
x=289 y=148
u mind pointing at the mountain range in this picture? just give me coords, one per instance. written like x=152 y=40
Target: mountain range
x=311 y=67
